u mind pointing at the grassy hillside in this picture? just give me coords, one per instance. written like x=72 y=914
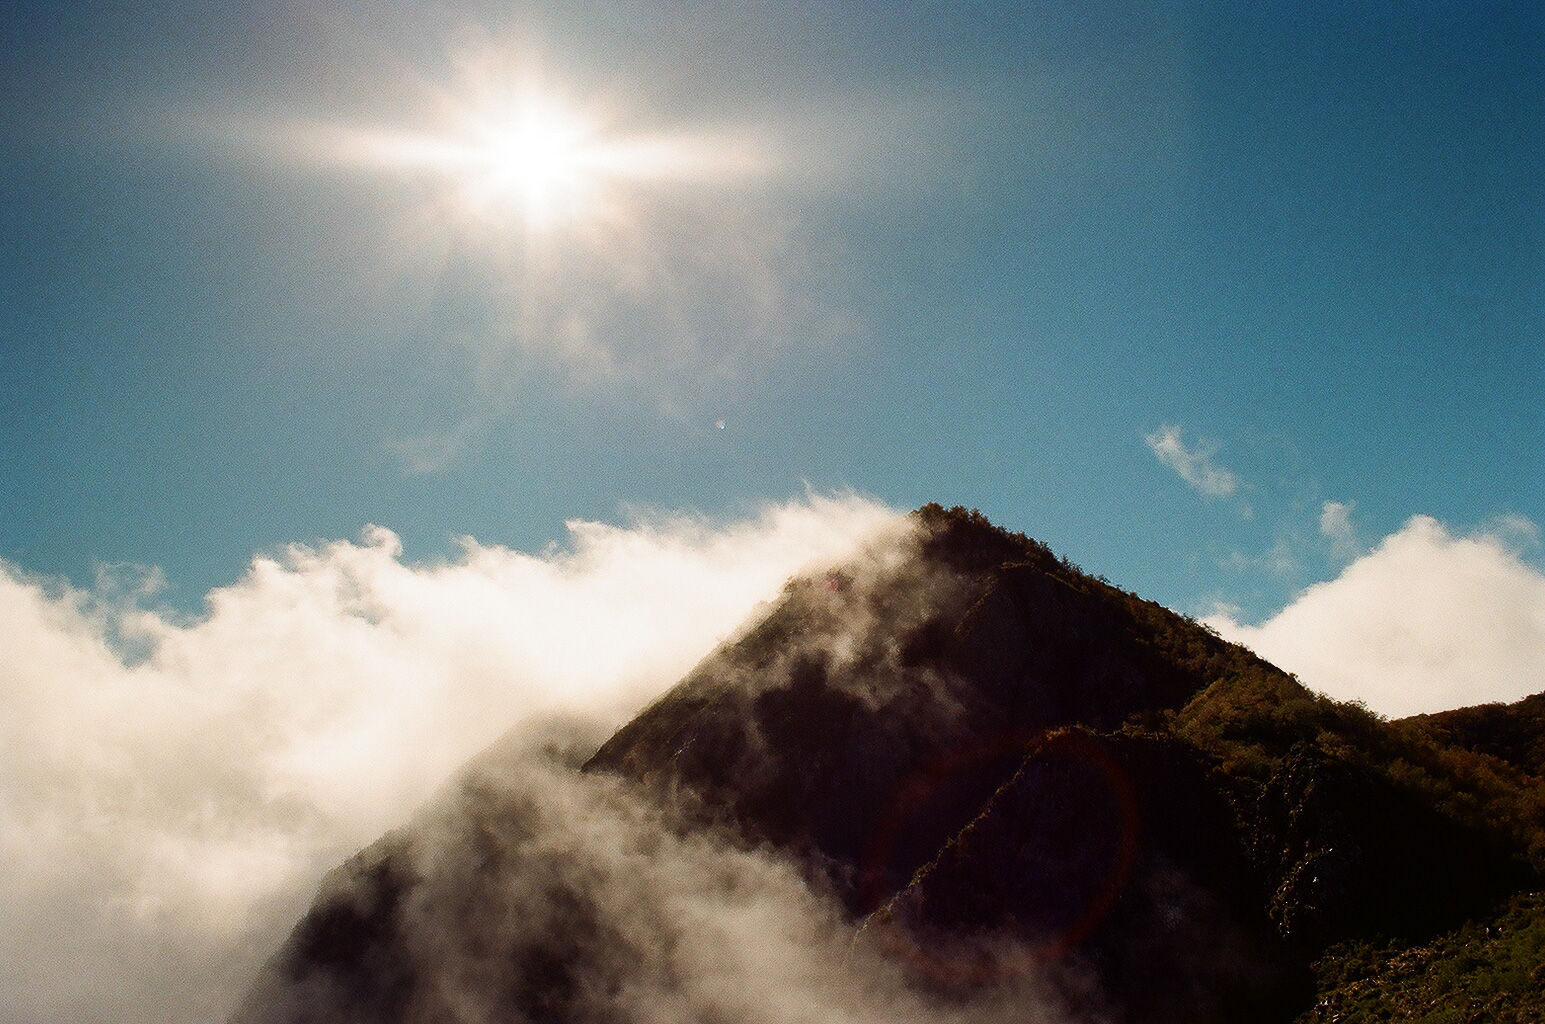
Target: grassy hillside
x=1488 y=972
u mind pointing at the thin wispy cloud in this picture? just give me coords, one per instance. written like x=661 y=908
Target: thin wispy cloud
x=1336 y=527
x=1195 y=463
x=434 y=452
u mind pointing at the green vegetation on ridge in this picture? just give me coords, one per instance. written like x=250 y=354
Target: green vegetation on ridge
x=1482 y=973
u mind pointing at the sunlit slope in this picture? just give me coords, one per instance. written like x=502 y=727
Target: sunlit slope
x=1492 y=971
x=993 y=776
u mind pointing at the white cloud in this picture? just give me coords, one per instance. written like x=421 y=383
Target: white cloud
x=1194 y=464
x=171 y=791
x=1424 y=622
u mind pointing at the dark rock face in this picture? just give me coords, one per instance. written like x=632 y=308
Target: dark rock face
x=957 y=748
x=345 y=955
x=970 y=648
x=1355 y=856
x=1116 y=851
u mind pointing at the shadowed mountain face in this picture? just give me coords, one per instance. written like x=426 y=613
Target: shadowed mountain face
x=955 y=779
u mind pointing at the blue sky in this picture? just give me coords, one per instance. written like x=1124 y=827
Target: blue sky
x=1001 y=246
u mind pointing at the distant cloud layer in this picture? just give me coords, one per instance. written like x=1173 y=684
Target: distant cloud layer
x=1193 y=463
x=170 y=791
x=1426 y=621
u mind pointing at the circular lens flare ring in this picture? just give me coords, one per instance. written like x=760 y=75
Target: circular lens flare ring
x=968 y=966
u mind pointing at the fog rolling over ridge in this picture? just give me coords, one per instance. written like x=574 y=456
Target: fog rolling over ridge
x=950 y=778
x=172 y=788
x=531 y=891
x=923 y=764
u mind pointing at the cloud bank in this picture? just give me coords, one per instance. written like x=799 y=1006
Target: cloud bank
x=1424 y=622
x=171 y=791
x=1193 y=463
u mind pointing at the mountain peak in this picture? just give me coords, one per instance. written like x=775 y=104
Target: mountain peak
x=989 y=777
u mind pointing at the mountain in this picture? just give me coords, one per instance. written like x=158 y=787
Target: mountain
x=954 y=779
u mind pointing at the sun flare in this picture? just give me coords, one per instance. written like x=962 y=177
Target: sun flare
x=535 y=156
x=543 y=159
x=566 y=213
x=503 y=143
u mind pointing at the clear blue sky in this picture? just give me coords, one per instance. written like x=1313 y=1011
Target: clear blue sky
x=1004 y=246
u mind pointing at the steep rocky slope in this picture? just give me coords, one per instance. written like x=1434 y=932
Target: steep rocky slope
x=1008 y=786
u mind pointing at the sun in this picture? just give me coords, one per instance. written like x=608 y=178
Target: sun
x=533 y=155
x=506 y=146
x=543 y=158
x=537 y=204
x=499 y=147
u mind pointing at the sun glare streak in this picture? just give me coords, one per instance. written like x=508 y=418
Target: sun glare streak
x=562 y=222
x=519 y=147
x=544 y=159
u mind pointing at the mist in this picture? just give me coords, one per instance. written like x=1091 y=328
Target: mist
x=536 y=892
x=172 y=789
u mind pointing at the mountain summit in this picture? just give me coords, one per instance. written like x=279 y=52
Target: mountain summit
x=955 y=778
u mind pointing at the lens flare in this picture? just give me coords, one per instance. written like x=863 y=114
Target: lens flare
x=536 y=157
x=570 y=216
x=500 y=140
x=542 y=158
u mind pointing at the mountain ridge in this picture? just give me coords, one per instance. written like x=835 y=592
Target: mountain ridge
x=998 y=768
